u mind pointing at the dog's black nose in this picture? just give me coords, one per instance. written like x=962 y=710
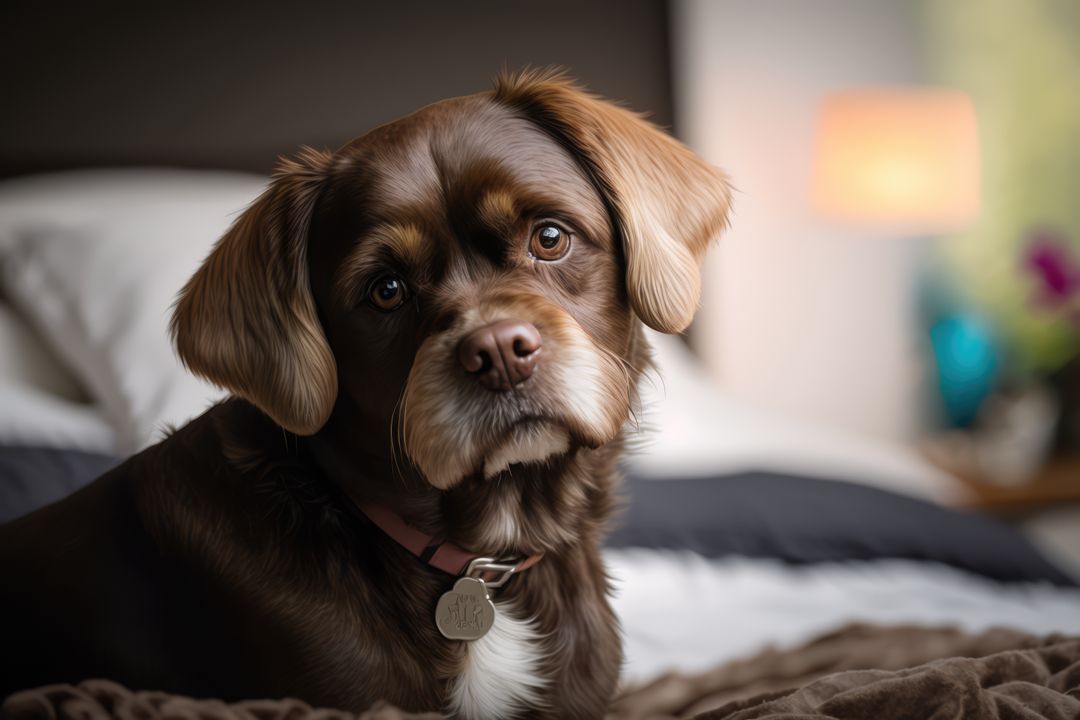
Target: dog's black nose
x=501 y=355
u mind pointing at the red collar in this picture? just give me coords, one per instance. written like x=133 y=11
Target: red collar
x=438 y=553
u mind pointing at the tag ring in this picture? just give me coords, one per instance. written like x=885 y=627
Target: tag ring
x=478 y=566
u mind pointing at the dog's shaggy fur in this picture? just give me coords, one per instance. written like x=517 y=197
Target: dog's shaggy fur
x=230 y=560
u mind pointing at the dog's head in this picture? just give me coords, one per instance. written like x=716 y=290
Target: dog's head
x=463 y=284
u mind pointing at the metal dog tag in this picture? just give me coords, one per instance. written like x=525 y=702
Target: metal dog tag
x=465 y=612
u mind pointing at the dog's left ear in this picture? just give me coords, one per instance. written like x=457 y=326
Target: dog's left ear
x=246 y=320
x=669 y=203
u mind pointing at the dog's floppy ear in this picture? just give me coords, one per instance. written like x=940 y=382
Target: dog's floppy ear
x=246 y=320
x=669 y=203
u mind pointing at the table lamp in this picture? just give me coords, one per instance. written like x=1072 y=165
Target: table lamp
x=904 y=162
x=897 y=160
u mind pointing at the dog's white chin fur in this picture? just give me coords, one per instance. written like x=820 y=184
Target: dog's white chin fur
x=531 y=443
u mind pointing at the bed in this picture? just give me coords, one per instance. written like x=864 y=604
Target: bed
x=743 y=532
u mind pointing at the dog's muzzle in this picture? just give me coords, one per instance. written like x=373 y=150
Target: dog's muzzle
x=478 y=400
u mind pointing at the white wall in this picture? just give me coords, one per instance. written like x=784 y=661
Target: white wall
x=798 y=315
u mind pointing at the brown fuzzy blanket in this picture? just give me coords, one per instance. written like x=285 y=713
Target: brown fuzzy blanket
x=858 y=672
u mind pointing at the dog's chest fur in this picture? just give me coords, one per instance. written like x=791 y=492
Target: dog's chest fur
x=501 y=672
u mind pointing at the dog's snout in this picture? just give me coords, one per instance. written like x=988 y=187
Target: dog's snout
x=501 y=355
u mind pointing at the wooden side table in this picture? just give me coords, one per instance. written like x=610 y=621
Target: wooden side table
x=1056 y=483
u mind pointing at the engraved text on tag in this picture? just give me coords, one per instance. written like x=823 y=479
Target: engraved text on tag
x=465 y=612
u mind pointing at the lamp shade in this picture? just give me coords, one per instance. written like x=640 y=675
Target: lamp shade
x=903 y=159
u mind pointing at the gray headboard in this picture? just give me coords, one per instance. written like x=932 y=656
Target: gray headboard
x=234 y=85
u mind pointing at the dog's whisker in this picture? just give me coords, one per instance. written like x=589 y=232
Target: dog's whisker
x=398 y=448
x=627 y=368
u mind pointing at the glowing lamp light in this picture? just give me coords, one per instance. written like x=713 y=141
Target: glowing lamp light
x=898 y=159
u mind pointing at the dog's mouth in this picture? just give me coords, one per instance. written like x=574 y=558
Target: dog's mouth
x=529 y=440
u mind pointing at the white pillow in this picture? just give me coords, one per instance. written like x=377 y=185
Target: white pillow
x=692 y=427
x=95 y=260
x=25 y=360
x=31 y=416
x=41 y=402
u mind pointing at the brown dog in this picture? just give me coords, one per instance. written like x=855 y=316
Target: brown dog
x=434 y=339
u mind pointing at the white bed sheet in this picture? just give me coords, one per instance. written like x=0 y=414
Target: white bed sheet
x=682 y=611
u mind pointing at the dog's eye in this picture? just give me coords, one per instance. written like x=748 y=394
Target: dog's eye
x=549 y=242
x=387 y=293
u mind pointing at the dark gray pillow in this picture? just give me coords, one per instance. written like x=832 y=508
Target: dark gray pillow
x=805 y=520
x=795 y=519
x=31 y=477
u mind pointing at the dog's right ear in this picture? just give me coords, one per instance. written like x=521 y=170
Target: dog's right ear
x=246 y=320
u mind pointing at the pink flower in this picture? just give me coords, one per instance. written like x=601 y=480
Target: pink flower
x=1049 y=258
